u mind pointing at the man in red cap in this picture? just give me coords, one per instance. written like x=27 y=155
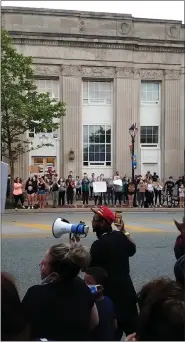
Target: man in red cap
x=111 y=252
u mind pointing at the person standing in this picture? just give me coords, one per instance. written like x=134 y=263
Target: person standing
x=85 y=189
x=181 y=195
x=41 y=191
x=54 y=191
x=78 y=184
x=91 y=185
x=111 y=252
x=141 y=193
x=150 y=194
x=110 y=191
x=118 y=191
x=62 y=191
x=70 y=185
x=131 y=191
x=18 y=192
x=30 y=192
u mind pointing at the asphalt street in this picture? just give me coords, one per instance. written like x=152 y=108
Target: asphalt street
x=26 y=237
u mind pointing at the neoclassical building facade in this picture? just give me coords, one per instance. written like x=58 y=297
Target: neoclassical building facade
x=111 y=70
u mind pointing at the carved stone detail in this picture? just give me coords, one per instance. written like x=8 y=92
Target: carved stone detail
x=81 y=25
x=124 y=28
x=172 y=74
x=137 y=73
x=173 y=31
x=71 y=70
x=98 y=71
x=48 y=70
x=125 y=72
x=112 y=46
x=152 y=74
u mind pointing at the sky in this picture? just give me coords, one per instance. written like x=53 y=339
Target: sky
x=171 y=10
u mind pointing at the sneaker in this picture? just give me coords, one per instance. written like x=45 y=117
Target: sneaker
x=29 y=207
x=23 y=207
x=32 y=207
x=16 y=208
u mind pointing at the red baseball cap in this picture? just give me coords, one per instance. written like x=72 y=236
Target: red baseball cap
x=106 y=213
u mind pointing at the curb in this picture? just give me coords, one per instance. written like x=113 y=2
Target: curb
x=88 y=210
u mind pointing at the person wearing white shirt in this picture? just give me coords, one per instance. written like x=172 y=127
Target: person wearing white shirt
x=150 y=194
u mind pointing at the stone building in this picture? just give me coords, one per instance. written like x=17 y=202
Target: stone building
x=111 y=70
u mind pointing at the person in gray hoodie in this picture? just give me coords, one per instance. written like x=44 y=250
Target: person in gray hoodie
x=118 y=192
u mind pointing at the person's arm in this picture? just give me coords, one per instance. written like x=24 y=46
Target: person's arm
x=96 y=253
x=94 y=318
x=131 y=243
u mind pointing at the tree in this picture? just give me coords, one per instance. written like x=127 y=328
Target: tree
x=22 y=107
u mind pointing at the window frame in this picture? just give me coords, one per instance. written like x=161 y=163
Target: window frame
x=97 y=102
x=149 y=144
x=88 y=162
x=150 y=101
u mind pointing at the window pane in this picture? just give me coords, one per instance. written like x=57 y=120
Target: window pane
x=85 y=157
x=143 y=139
x=85 y=138
x=108 y=148
x=149 y=86
x=149 y=139
x=143 y=129
x=97 y=129
x=102 y=156
x=143 y=86
x=155 y=96
x=143 y=96
x=155 y=129
x=149 y=130
x=97 y=138
x=102 y=148
x=155 y=139
x=97 y=157
x=108 y=139
x=156 y=87
x=38 y=160
x=149 y=96
x=91 y=148
x=108 y=156
x=97 y=148
x=91 y=156
x=102 y=138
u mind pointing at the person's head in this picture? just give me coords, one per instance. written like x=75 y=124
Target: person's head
x=64 y=261
x=85 y=175
x=77 y=177
x=93 y=174
x=9 y=176
x=129 y=180
x=141 y=181
x=18 y=180
x=179 y=271
x=170 y=178
x=117 y=173
x=102 y=220
x=70 y=177
x=96 y=276
x=14 y=326
x=71 y=173
x=162 y=311
x=182 y=186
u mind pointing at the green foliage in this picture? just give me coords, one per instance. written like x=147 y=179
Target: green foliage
x=22 y=107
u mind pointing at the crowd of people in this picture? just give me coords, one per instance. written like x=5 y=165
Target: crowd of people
x=141 y=192
x=103 y=304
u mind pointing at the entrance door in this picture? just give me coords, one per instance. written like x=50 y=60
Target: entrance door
x=152 y=167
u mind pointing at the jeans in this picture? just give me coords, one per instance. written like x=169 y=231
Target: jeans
x=141 y=198
x=85 y=197
x=70 y=197
x=157 y=194
x=61 y=196
x=91 y=191
x=55 y=198
x=110 y=196
x=118 y=196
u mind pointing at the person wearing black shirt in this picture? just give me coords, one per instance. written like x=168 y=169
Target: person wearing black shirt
x=62 y=308
x=169 y=185
x=111 y=252
x=155 y=177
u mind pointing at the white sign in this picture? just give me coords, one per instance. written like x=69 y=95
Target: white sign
x=99 y=187
x=118 y=182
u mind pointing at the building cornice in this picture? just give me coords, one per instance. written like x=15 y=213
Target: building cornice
x=88 y=71
x=82 y=14
x=98 y=45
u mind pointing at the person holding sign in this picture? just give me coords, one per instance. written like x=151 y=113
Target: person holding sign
x=99 y=187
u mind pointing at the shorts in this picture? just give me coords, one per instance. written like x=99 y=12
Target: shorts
x=41 y=192
x=30 y=194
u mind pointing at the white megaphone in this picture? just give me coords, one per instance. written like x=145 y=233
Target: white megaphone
x=61 y=227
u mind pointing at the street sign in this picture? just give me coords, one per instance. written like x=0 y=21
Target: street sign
x=134 y=162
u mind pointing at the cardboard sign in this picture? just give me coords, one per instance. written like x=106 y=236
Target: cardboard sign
x=99 y=187
x=118 y=182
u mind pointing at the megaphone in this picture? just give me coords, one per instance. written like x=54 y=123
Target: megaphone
x=61 y=227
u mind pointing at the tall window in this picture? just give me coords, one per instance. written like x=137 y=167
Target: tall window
x=48 y=86
x=150 y=92
x=149 y=135
x=97 y=92
x=96 y=145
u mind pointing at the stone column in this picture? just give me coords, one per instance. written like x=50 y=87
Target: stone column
x=127 y=100
x=72 y=126
x=172 y=123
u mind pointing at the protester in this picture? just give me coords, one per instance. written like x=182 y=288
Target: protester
x=41 y=192
x=118 y=191
x=29 y=188
x=78 y=188
x=35 y=186
x=111 y=252
x=106 y=329
x=162 y=311
x=14 y=326
x=62 y=191
x=92 y=180
x=62 y=308
x=85 y=189
x=54 y=191
x=18 y=192
x=131 y=191
x=141 y=193
x=110 y=191
x=70 y=185
x=181 y=195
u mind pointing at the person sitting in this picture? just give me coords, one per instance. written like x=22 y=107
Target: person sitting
x=162 y=312
x=62 y=307
x=96 y=277
x=14 y=326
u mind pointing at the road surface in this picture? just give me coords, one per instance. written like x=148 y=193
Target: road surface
x=26 y=237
